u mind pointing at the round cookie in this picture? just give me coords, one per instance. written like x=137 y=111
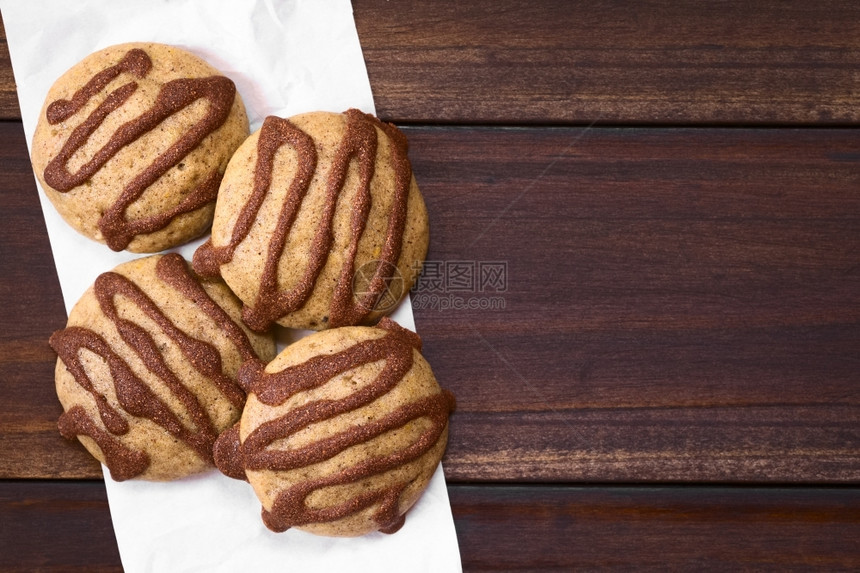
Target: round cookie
x=341 y=433
x=132 y=142
x=147 y=368
x=319 y=222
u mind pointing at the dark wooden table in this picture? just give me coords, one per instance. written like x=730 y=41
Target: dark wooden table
x=657 y=361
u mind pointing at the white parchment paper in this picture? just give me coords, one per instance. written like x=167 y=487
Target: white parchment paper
x=286 y=57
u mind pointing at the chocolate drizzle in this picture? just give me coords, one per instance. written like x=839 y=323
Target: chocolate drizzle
x=254 y=453
x=135 y=62
x=174 y=96
x=123 y=463
x=134 y=397
x=359 y=144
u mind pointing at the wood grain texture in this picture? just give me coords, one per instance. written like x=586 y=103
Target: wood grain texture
x=518 y=61
x=56 y=527
x=32 y=309
x=656 y=529
x=65 y=526
x=9 y=108
x=679 y=305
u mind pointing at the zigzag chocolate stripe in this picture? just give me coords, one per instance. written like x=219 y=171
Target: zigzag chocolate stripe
x=135 y=62
x=360 y=144
x=133 y=395
x=174 y=96
x=289 y=508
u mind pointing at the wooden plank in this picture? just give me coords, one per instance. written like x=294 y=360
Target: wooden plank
x=32 y=309
x=56 y=527
x=9 y=108
x=679 y=304
x=517 y=61
x=513 y=61
x=664 y=528
x=65 y=526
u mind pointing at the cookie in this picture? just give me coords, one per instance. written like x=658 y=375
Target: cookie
x=147 y=368
x=341 y=433
x=131 y=144
x=319 y=222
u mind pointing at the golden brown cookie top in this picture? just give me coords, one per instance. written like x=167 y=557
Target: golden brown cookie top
x=147 y=368
x=341 y=432
x=319 y=222
x=132 y=142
